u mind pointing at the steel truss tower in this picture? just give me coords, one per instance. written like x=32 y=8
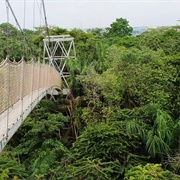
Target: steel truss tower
x=58 y=50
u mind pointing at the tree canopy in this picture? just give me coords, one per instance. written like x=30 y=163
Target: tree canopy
x=119 y=28
x=121 y=119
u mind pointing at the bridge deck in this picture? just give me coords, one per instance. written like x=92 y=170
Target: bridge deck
x=11 y=119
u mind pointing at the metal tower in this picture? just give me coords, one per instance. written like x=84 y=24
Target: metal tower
x=58 y=50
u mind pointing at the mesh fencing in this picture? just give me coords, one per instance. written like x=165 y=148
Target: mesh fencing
x=20 y=79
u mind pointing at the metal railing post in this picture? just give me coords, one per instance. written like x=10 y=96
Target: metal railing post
x=8 y=94
x=22 y=85
x=32 y=81
x=39 y=69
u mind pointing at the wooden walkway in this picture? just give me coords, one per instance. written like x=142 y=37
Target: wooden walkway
x=11 y=119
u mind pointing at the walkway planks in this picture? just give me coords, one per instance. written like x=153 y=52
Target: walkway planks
x=17 y=114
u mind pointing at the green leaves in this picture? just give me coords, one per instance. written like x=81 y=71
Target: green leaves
x=11 y=167
x=37 y=142
x=119 y=28
x=124 y=109
x=160 y=137
x=107 y=141
x=102 y=151
x=155 y=145
x=86 y=168
x=51 y=151
x=166 y=39
x=4 y=174
x=149 y=171
x=136 y=77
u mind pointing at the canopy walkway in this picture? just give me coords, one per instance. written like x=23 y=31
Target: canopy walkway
x=22 y=86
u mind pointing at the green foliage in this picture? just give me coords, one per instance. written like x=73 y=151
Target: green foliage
x=126 y=41
x=4 y=174
x=10 y=41
x=96 y=31
x=38 y=140
x=119 y=28
x=123 y=108
x=174 y=60
x=174 y=162
x=102 y=151
x=54 y=30
x=152 y=125
x=86 y=168
x=49 y=153
x=149 y=172
x=166 y=39
x=161 y=135
x=109 y=143
x=137 y=77
x=10 y=167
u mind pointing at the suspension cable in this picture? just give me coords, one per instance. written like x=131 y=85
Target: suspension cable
x=47 y=29
x=8 y=68
x=7 y=1
x=7 y=37
x=34 y=14
x=24 y=26
x=22 y=32
x=45 y=17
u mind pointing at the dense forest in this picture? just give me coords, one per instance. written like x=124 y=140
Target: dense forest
x=121 y=119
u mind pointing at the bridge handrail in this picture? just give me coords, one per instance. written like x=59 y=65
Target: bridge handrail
x=19 y=79
x=22 y=86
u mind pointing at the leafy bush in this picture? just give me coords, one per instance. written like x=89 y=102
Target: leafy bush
x=149 y=172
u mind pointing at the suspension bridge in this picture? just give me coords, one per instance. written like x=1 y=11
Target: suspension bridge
x=24 y=84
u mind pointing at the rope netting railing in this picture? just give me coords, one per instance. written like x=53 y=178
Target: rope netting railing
x=22 y=86
x=20 y=79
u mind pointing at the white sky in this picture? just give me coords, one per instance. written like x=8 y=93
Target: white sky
x=94 y=13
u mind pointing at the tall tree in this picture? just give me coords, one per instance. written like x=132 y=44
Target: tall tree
x=120 y=28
